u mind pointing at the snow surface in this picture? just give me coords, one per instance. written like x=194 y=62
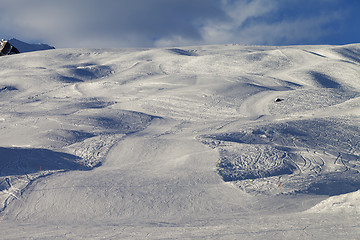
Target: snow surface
x=185 y=143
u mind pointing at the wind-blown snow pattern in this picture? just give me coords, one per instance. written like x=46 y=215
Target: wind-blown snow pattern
x=210 y=142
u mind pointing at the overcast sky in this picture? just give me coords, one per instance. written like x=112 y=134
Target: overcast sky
x=162 y=23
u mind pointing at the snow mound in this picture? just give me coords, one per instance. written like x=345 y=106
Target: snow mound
x=19 y=167
x=83 y=72
x=183 y=52
x=346 y=203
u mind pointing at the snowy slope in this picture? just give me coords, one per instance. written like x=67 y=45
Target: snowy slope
x=180 y=143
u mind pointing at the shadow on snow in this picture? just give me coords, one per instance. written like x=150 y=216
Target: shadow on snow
x=21 y=161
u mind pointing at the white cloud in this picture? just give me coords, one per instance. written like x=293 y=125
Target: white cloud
x=245 y=25
x=175 y=40
x=286 y=32
x=262 y=32
x=225 y=30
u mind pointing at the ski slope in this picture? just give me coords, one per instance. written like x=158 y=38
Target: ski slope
x=181 y=143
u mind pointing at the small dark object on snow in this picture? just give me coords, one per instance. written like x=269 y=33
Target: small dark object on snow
x=278 y=100
x=7 y=180
x=6 y=48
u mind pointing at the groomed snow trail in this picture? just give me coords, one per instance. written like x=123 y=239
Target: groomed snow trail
x=145 y=177
x=180 y=143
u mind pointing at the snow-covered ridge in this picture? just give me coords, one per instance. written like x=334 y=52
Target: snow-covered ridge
x=177 y=137
x=27 y=47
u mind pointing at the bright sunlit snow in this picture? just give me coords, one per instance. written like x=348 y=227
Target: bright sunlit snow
x=219 y=142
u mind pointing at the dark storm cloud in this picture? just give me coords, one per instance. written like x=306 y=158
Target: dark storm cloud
x=148 y=23
x=117 y=22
